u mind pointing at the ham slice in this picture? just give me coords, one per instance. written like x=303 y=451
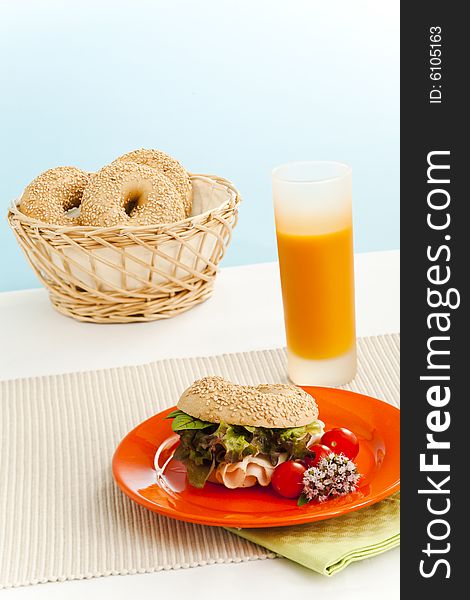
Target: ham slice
x=250 y=471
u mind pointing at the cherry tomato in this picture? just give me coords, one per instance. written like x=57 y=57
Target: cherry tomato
x=320 y=451
x=341 y=440
x=287 y=479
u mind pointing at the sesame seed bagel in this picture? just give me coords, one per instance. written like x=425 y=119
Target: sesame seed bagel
x=169 y=166
x=48 y=197
x=127 y=193
x=217 y=400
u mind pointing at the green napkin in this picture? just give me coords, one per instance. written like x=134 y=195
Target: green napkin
x=329 y=546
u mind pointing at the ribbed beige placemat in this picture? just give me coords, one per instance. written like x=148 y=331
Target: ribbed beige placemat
x=61 y=515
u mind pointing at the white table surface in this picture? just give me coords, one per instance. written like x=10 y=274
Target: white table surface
x=245 y=313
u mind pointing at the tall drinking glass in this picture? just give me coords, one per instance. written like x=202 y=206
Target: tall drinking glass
x=313 y=212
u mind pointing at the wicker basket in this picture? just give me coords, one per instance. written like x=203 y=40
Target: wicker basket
x=133 y=273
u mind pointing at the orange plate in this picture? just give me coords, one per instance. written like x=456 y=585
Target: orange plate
x=376 y=424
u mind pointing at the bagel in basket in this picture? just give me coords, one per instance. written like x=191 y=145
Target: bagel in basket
x=169 y=166
x=142 y=187
x=128 y=193
x=50 y=196
x=236 y=435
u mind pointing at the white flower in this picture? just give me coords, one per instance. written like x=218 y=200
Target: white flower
x=335 y=475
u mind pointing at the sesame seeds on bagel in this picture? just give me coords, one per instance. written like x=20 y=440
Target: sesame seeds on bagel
x=169 y=166
x=50 y=195
x=217 y=400
x=130 y=193
x=140 y=188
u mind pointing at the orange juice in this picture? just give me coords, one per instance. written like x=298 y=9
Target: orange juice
x=313 y=213
x=317 y=276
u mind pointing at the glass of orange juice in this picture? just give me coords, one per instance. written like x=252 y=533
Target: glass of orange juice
x=313 y=212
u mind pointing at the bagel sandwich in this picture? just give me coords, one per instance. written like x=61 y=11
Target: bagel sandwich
x=236 y=435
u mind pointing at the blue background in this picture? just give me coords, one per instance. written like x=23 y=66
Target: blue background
x=232 y=87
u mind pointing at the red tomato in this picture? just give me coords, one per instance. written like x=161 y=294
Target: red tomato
x=320 y=451
x=287 y=479
x=341 y=440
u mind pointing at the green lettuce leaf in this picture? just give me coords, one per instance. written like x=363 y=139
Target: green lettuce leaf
x=198 y=474
x=235 y=441
x=198 y=461
x=295 y=439
x=204 y=445
x=182 y=421
x=266 y=441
